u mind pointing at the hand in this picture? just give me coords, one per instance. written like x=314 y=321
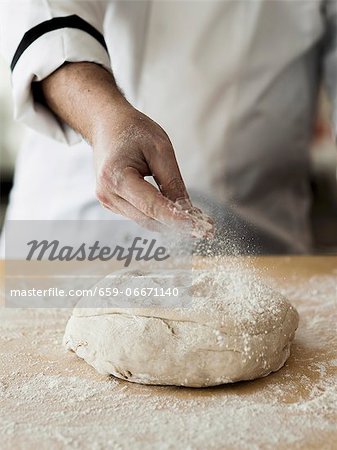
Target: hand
x=129 y=146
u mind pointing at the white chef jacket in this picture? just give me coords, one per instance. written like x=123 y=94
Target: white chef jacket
x=234 y=84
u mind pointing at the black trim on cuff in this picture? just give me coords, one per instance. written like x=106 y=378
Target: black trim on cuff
x=56 y=23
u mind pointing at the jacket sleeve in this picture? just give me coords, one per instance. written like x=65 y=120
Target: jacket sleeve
x=330 y=58
x=36 y=38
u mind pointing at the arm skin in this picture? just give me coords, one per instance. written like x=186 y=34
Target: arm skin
x=127 y=146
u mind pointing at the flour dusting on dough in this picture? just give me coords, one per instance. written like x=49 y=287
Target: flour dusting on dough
x=225 y=328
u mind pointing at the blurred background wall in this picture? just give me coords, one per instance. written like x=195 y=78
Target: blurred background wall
x=323 y=167
x=324 y=181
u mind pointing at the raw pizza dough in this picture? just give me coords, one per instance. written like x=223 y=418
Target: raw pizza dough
x=224 y=327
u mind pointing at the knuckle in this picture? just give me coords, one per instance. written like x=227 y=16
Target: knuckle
x=117 y=179
x=100 y=195
x=127 y=170
x=104 y=173
x=110 y=180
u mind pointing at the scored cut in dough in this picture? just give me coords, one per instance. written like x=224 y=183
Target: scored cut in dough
x=226 y=328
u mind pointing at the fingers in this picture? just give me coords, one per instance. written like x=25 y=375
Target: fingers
x=165 y=170
x=120 y=206
x=140 y=201
x=147 y=199
x=204 y=225
x=121 y=185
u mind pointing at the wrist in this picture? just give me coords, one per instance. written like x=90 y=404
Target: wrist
x=111 y=119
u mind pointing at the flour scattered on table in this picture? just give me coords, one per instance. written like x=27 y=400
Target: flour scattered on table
x=293 y=408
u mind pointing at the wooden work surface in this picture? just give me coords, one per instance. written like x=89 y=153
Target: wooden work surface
x=51 y=399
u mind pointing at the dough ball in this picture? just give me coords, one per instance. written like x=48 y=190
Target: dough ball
x=223 y=327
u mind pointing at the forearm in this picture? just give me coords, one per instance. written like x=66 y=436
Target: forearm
x=83 y=95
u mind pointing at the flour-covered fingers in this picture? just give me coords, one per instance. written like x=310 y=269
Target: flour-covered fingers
x=151 y=202
x=120 y=206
